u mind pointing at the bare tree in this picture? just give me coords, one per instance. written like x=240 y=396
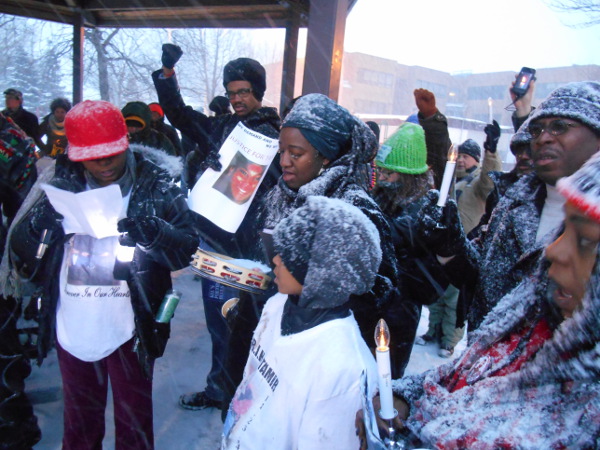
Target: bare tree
x=35 y=56
x=118 y=62
x=100 y=41
x=121 y=63
x=206 y=51
x=589 y=8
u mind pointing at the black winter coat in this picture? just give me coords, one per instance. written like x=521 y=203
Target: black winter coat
x=421 y=280
x=153 y=194
x=27 y=121
x=150 y=137
x=210 y=133
x=171 y=133
x=504 y=252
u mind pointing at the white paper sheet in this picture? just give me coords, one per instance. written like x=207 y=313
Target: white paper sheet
x=224 y=197
x=95 y=212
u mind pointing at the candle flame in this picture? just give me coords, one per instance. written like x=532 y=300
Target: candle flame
x=453 y=153
x=382 y=335
x=125 y=254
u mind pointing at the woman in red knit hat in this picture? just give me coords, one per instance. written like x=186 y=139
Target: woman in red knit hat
x=102 y=320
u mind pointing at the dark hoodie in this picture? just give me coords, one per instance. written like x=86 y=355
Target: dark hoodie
x=148 y=136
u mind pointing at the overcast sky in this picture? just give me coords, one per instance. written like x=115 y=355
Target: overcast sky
x=470 y=35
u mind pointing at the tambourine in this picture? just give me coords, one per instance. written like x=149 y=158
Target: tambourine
x=223 y=270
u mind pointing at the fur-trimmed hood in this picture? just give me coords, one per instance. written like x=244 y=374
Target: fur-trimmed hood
x=173 y=165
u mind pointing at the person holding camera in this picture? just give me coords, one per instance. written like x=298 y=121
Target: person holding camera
x=565 y=132
x=522 y=93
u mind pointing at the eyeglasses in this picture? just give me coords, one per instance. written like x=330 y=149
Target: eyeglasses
x=241 y=93
x=555 y=128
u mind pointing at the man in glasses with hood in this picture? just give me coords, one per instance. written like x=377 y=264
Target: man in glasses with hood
x=565 y=133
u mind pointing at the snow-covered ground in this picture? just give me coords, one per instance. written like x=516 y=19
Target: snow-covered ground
x=182 y=369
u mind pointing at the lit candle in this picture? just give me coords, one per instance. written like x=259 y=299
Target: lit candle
x=490 y=109
x=124 y=256
x=125 y=253
x=448 y=175
x=382 y=340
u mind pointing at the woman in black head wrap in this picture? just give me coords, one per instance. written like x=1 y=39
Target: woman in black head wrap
x=325 y=150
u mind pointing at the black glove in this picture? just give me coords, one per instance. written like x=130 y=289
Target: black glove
x=46 y=218
x=170 y=55
x=440 y=228
x=492 y=132
x=143 y=230
x=212 y=161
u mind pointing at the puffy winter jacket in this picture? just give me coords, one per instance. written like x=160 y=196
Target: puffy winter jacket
x=153 y=194
x=503 y=253
x=338 y=182
x=472 y=191
x=27 y=121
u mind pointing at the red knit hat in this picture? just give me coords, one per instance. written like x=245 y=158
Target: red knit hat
x=157 y=109
x=95 y=129
x=582 y=188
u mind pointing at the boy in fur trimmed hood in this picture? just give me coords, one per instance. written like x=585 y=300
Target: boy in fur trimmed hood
x=302 y=381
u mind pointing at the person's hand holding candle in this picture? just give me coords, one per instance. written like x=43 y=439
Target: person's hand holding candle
x=440 y=229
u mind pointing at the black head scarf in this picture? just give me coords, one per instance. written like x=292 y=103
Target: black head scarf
x=331 y=129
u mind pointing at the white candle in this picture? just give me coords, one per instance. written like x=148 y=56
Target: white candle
x=382 y=340
x=448 y=175
x=490 y=109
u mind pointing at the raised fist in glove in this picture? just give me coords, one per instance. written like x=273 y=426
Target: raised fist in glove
x=144 y=230
x=425 y=101
x=492 y=133
x=170 y=55
x=440 y=227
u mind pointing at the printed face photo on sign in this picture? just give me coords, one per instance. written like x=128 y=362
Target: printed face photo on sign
x=91 y=261
x=240 y=179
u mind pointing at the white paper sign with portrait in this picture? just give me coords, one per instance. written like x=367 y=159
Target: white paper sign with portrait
x=224 y=197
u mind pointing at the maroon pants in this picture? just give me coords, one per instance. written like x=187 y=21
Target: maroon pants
x=85 y=386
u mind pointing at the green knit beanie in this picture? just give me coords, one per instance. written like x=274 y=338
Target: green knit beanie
x=404 y=151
